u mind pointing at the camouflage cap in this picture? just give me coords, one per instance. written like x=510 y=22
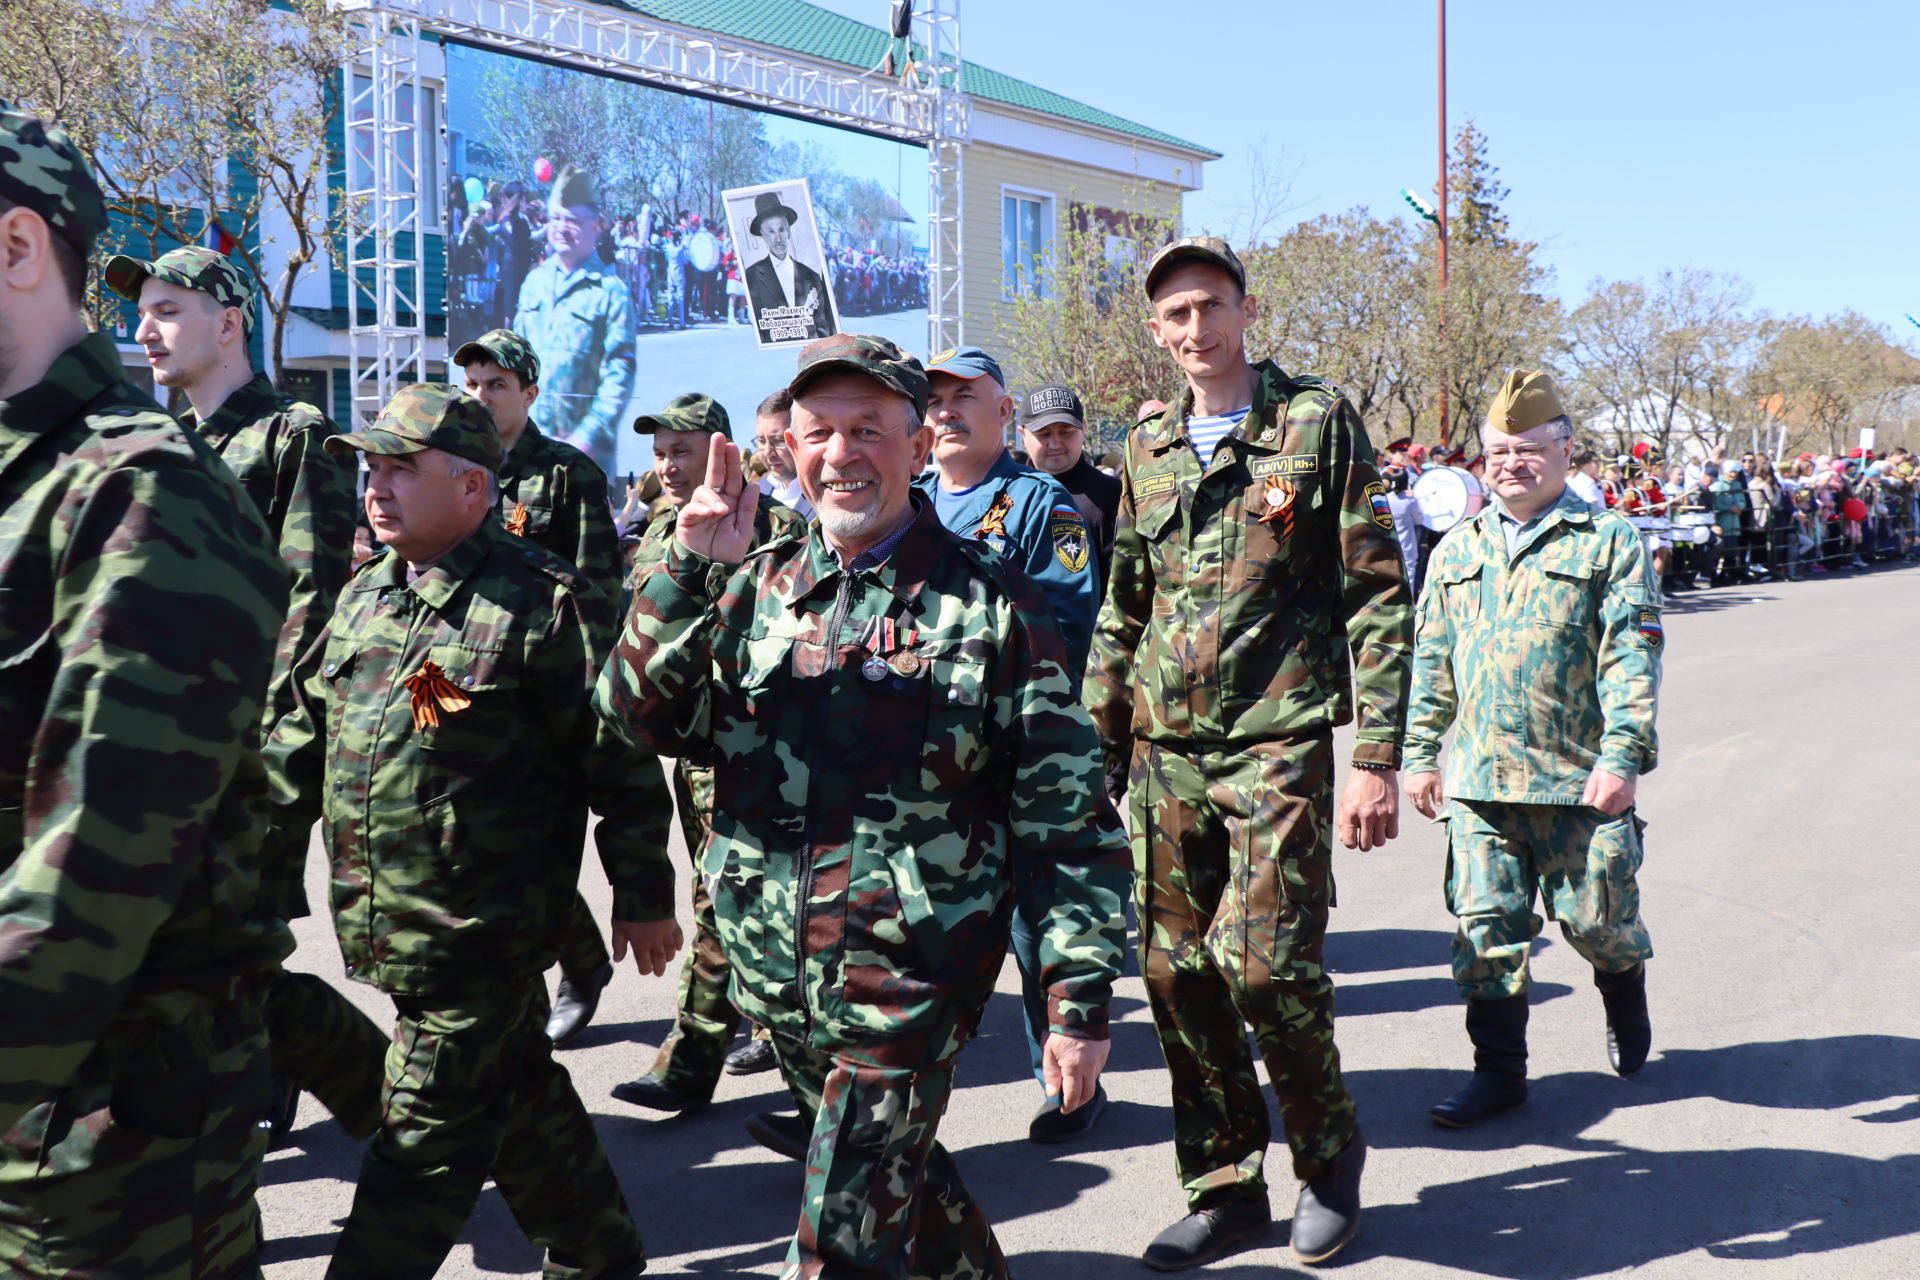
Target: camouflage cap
x=690 y=412
x=1527 y=399
x=190 y=267
x=505 y=348
x=429 y=415
x=41 y=170
x=864 y=353
x=1210 y=249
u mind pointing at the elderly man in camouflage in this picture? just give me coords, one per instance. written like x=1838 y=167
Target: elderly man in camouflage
x=687 y=1068
x=556 y=496
x=1253 y=549
x=899 y=757
x=196 y=319
x=1539 y=642
x=444 y=735
x=139 y=604
x=578 y=315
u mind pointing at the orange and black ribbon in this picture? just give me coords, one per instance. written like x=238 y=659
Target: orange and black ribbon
x=995 y=521
x=432 y=694
x=517 y=520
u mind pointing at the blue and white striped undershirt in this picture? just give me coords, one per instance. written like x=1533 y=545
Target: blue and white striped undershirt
x=1205 y=434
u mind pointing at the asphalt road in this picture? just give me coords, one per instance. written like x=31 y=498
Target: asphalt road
x=1775 y=1133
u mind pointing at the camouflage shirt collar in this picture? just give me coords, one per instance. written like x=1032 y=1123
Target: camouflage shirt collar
x=84 y=372
x=440 y=583
x=903 y=573
x=1268 y=378
x=590 y=268
x=521 y=457
x=253 y=400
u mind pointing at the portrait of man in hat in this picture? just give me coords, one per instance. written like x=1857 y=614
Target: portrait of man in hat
x=789 y=300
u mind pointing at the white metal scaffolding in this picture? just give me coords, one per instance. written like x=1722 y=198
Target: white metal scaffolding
x=388 y=103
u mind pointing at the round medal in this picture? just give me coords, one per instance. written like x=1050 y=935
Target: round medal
x=874 y=668
x=905 y=664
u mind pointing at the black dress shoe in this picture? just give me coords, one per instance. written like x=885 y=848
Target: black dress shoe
x=574 y=1004
x=1051 y=1124
x=1629 y=1031
x=752 y=1058
x=781 y=1134
x=1329 y=1209
x=657 y=1095
x=1221 y=1225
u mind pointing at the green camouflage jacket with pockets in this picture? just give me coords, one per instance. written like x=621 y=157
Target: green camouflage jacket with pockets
x=580 y=324
x=139 y=601
x=1237 y=591
x=1547 y=663
x=272 y=444
x=554 y=495
x=456 y=844
x=874 y=824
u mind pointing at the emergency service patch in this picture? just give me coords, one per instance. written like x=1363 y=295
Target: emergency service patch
x=944 y=356
x=1650 y=629
x=1148 y=486
x=1287 y=464
x=1382 y=511
x=1070 y=544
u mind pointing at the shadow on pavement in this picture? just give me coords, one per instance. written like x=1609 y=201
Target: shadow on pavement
x=1377 y=950
x=1067 y=1265
x=1620 y=1210
x=1411 y=995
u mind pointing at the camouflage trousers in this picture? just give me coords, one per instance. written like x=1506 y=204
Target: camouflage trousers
x=472 y=1089
x=582 y=949
x=882 y=1199
x=1582 y=863
x=1234 y=886
x=323 y=1043
x=144 y=1168
x=705 y=1021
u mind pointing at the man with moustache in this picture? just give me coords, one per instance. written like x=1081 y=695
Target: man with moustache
x=900 y=755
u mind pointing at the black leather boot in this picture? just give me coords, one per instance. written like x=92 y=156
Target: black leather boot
x=1629 y=1033
x=1498 y=1029
x=1223 y=1223
x=1328 y=1212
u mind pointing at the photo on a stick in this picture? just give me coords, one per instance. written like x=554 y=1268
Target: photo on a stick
x=788 y=293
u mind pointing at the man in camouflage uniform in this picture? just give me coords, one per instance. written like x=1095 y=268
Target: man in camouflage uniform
x=1539 y=641
x=1254 y=551
x=578 y=316
x=551 y=494
x=687 y=1069
x=139 y=602
x=899 y=756
x=443 y=734
x=196 y=317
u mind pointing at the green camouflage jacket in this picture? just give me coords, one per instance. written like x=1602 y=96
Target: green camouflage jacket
x=875 y=821
x=772 y=519
x=1238 y=591
x=272 y=444
x=580 y=324
x=454 y=798
x=1547 y=663
x=139 y=601
x=554 y=495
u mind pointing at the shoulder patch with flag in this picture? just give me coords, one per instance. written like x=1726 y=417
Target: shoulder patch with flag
x=1377 y=499
x=1650 y=629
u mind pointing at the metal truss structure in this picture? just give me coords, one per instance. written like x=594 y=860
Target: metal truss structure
x=387 y=104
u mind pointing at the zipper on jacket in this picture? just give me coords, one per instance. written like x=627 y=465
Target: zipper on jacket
x=803 y=888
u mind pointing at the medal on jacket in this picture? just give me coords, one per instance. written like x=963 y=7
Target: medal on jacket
x=433 y=693
x=995 y=521
x=1278 y=499
x=517 y=520
x=889 y=650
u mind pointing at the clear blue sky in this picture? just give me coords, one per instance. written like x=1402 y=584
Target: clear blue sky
x=1779 y=141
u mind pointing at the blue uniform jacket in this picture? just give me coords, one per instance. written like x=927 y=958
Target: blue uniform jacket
x=1031 y=520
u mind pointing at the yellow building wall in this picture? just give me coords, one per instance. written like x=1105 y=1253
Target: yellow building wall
x=989 y=172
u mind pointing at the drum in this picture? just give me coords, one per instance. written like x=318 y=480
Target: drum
x=1695 y=527
x=1448 y=495
x=703 y=251
x=1651 y=524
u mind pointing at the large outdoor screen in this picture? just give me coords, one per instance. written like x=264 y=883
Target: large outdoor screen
x=650 y=243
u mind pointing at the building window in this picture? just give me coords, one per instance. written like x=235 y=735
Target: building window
x=418 y=148
x=1026 y=230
